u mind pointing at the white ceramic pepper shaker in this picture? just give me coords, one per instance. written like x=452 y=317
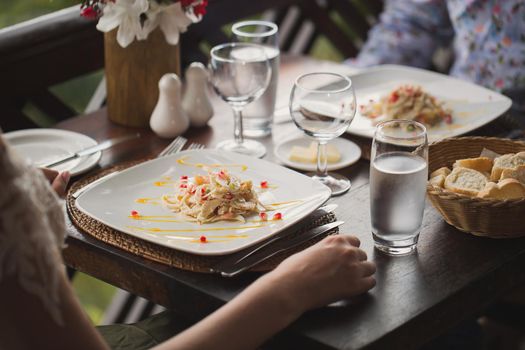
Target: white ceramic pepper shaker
x=196 y=103
x=168 y=118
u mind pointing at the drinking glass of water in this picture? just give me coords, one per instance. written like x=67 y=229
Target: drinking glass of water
x=398 y=179
x=240 y=73
x=258 y=116
x=323 y=105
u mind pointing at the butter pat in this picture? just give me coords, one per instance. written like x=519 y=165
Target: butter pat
x=303 y=155
x=309 y=155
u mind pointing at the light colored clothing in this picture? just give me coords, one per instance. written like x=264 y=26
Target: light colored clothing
x=488 y=38
x=32 y=230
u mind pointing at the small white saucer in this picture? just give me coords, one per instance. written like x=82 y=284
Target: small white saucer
x=44 y=145
x=350 y=153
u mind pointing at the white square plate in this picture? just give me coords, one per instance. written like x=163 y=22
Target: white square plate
x=472 y=106
x=140 y=188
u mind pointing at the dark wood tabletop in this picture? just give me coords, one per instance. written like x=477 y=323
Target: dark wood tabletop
x=452 y=277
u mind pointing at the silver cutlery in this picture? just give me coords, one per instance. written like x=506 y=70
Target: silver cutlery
x=174 y=147
x=195 y=146
x=236 y=258
x=91 y=150
x=278 y=247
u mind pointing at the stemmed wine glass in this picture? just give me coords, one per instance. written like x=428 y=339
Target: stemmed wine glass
x=240 y=73
x=323 y=105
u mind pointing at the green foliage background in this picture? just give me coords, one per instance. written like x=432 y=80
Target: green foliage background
x=14 y=11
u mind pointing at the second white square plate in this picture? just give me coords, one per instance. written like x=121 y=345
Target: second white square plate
x=472 y=105
x=139 y=189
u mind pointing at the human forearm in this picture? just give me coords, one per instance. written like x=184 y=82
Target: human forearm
x=245 y=322
x=330 y=270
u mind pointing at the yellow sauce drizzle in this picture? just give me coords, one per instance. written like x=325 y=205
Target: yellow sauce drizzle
x=152 y=201
x=454 y=126
x=183 y=161
x=155 y=218
x=163 y=183
x=284 y=204
x=208 y=229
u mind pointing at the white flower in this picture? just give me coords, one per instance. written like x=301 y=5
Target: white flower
x=124 y=14
x=172 y=20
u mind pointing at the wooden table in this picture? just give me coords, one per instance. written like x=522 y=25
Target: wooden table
x=453 y=276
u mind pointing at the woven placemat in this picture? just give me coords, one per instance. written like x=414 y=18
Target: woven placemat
x=161 y=254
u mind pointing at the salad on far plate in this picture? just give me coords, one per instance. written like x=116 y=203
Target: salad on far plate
x=408 y=102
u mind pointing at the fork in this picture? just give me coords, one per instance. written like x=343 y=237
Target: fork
x=192 y=146
x=195 y=146
x=174 y=147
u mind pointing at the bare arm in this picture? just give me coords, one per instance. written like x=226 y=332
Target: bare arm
x=331 y=270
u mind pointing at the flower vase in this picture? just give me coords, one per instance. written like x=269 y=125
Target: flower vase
x=133 y=74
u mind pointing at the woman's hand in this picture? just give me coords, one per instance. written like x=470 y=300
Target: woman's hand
x=57 y=180
x=330 y=270
x=333 y=269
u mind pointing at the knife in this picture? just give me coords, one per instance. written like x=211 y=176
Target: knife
x=88 y=151
x=237 y=257
x=277 y=248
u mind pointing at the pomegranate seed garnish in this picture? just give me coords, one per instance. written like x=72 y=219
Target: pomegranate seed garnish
x=134 y=213
x=184 y=177
x=264 y=184
x=277 y=216
x=183 y=186
x=263 y=216
x=203 y=239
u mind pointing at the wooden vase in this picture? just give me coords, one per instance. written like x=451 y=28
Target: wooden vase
x=133 y=74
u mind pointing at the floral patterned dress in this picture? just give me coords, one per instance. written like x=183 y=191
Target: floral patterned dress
x=488 y=37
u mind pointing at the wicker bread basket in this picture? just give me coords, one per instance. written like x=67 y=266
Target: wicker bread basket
x=480 y=217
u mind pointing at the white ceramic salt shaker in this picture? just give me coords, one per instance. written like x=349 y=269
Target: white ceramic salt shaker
x=196 y=103
x=168 y=118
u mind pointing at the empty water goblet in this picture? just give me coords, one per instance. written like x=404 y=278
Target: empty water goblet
x=323 y=105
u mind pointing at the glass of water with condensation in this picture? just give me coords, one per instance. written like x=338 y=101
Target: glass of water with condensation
x=398 y=178
x=258 y=116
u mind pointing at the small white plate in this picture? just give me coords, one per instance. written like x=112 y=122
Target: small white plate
x=139 y=188
x=40 y=146
x=472 y=105
x=350 y=153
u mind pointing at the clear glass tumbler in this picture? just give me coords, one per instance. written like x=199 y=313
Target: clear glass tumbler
x=398 y=179
x=258 y=116
x=240 y=73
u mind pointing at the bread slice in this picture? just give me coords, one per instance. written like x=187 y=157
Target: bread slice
x=465 y=181
x=438 y=180
x=481 y=164
x=505 y=189
x=507 y=161
x=441 y=171
x=517 y=173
